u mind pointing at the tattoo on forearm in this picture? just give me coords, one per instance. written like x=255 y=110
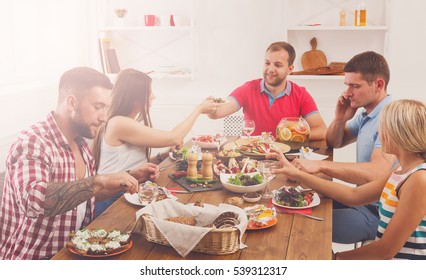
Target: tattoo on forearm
x=62 y=197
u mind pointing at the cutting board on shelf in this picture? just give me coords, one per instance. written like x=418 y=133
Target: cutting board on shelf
x=313 y=58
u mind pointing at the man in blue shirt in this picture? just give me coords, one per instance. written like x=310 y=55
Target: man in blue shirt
x=366 y=76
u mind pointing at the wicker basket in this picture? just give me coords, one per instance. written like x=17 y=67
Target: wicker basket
x=216 y=242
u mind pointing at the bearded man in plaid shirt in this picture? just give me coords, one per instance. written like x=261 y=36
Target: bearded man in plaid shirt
x=50 y=183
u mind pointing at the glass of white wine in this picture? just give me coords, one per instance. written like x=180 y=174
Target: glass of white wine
x=265 y=167
x=248 y=127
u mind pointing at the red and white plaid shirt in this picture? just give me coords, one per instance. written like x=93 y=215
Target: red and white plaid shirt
x=40 y=155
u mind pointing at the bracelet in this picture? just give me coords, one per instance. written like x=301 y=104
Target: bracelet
x=159 y=157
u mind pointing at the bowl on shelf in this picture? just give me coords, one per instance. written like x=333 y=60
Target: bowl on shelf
x=241 y=189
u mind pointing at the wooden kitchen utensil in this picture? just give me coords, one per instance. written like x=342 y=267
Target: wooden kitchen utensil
x=313 y=58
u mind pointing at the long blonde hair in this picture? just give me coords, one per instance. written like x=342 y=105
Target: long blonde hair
x=131 y=87
x=403 y=124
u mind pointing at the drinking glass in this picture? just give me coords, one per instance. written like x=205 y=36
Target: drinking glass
x=265 y=167
x=147 y=194
x=248 y=127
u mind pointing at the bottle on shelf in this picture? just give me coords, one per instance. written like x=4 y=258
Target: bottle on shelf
x=342 y=21
x=360 y=14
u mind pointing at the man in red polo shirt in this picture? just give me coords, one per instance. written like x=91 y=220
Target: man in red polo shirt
x=268 y=100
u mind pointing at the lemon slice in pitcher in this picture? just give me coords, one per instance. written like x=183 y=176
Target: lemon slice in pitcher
x=284 y=134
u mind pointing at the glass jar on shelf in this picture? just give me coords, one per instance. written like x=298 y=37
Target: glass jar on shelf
x=293 y=131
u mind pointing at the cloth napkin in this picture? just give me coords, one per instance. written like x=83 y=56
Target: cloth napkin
x=311 y=156
x=183 y=238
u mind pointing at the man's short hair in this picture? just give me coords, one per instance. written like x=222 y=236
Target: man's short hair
x=370 y=65
x=278 y=46
x=80 y=79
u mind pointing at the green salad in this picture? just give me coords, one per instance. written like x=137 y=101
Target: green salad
x=245 y=180
x=181 y=153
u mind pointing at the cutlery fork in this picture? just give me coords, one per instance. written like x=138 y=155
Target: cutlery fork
x=302 y=214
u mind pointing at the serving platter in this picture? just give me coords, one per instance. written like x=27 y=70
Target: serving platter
x=242 y=143
x=186 y=184
x=122 y=250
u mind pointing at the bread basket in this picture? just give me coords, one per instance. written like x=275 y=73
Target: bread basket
x=216 y=242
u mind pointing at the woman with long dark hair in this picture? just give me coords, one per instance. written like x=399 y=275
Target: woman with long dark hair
x=126 y=138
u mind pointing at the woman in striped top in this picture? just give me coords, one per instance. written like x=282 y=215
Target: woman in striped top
x=402 y=229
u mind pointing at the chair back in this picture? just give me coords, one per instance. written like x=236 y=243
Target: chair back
x=233 y=125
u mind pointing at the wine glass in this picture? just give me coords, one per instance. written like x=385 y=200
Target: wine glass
x=248 y=127
x=265 y=167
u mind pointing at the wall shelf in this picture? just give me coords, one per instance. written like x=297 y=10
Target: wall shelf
x=316 y=77
x=162 y=50
x=337 y=28
x=139 y=28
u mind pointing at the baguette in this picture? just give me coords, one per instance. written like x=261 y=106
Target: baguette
x=186 y=220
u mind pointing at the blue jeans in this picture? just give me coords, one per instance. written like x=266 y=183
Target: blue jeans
x=354 y=224
x=101 y=206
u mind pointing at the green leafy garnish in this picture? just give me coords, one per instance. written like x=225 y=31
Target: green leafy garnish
x=245 y=180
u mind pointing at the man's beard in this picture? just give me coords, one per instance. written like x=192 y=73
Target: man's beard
x=83 y=130
x=276 y=81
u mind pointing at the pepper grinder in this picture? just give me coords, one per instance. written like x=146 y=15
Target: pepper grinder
x=207 y=166
x=191 y=171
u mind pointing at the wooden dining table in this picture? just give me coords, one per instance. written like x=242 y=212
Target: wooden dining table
x=294 y=237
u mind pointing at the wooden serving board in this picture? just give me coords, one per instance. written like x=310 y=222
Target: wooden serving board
x=313 y=58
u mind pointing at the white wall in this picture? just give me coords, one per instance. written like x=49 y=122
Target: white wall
x=233 y=36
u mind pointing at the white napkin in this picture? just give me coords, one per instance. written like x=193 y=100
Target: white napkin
x=183 y=238
x=308 y=154
x=312 y=156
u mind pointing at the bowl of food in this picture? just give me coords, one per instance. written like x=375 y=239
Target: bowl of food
x=252 y=197
x=226 y=154
x=243 y=183
x=209 y=141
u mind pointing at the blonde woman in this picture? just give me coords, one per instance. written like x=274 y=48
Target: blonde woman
x=126 y=139
x=402 y=207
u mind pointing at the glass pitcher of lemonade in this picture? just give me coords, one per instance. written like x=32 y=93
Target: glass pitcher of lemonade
x=293 y=131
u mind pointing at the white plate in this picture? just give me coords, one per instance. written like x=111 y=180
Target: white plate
x=134 y=198
x=315 y=202
x=312 y=156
